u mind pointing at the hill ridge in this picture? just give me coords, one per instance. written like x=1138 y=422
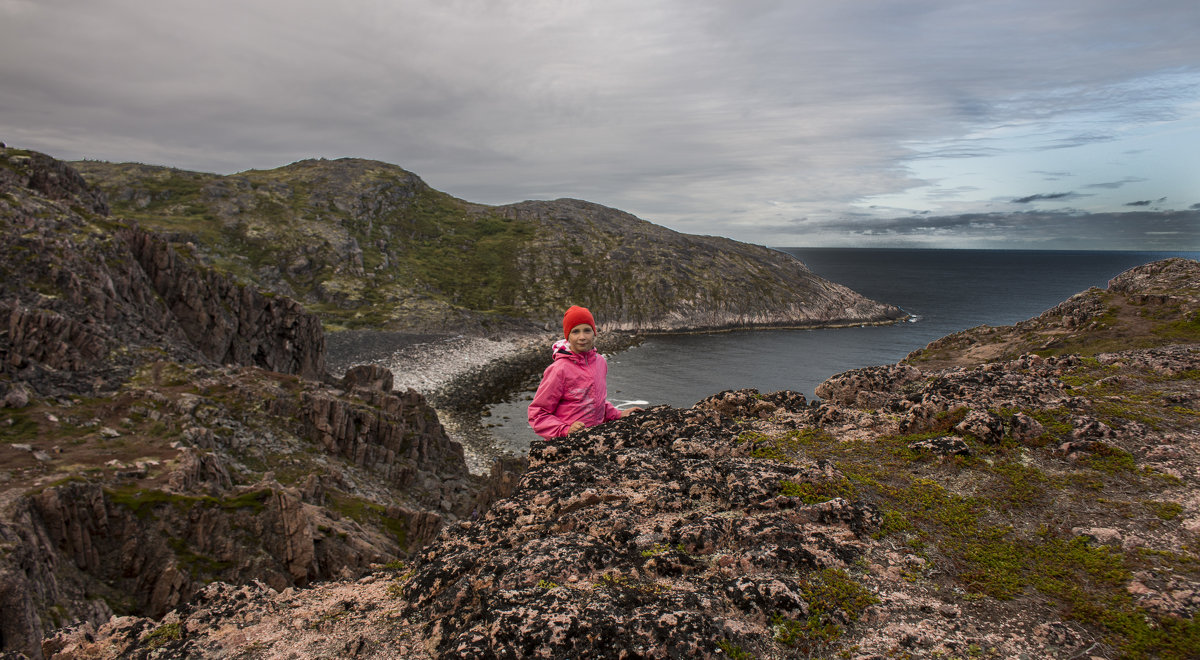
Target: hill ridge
x=369 y=244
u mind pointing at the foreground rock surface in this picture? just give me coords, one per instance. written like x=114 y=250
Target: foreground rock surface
x=1040 y=506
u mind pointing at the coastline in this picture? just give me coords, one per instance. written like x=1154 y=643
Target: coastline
x=460 y=375
x=429 y=363
x=463 y=375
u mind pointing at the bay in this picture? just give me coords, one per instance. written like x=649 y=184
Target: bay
x=944 y=290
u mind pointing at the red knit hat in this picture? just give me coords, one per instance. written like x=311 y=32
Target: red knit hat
x=574 y=316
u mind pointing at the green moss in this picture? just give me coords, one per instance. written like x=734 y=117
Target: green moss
x=783 y=447
x=733 y=651
x=161 y=374
x=1088 y=372
x=195 y=563
x=370 y=513
x=833 y=597
x=255 y=501
x=820 y=491
x=894 y=522
x=16 y=426
x=1056 y=424
x=655 y=550
x=1163 y=510
x=1021 y=484
x=1110 y=460
x=164 y=635
x=993 y=564
x=144 y=502
x=1185 y=330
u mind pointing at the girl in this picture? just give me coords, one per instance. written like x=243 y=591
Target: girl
x=573 y=392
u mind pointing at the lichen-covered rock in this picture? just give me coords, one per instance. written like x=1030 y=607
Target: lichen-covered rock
x=811 y=532
x=866 y=387
x=628 y=536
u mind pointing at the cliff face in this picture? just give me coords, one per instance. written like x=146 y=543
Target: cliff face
x=163 y=426
x=81 y=291
x=1042 y=506
x=366 y=244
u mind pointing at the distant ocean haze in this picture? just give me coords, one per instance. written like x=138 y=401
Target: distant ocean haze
x=944 y=290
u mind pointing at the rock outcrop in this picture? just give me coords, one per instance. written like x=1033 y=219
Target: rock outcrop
x=82 y=293
x=369 y=245
x=229 y=322
x=1144 y=306
x=1042 y=506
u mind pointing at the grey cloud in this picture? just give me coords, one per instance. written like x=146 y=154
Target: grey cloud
x=1080 y=140
x=1136 y=230
x=1147 y=202
x=1047 y=197
x=701 y=114
x=1052 y=176
x=1113 y=185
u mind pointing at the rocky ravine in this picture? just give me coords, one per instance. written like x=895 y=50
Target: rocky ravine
x=163 y=426
x=368 y=245
x=1040 y=506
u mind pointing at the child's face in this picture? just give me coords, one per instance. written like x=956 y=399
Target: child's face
x=582 y=338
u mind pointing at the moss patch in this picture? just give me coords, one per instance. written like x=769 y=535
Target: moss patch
x=834 y=599
x=369 y=513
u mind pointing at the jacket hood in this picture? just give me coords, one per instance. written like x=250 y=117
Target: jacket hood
x=562 y=351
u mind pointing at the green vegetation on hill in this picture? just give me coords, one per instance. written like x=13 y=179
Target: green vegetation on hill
x=360 y=243
x=369 y=245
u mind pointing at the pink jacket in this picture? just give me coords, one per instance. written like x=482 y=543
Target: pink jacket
x=573 y=389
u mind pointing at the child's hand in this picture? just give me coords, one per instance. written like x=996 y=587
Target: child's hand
x=629 y=410
x=575 y=427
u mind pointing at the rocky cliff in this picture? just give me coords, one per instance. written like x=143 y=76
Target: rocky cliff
x=368 y=245
x=163 y=425
x=1041 y=504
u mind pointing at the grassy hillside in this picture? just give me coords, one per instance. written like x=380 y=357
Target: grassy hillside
x=361 y=243
x=369 y=245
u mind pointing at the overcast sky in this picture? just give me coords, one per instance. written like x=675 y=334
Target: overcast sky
x=939 y=123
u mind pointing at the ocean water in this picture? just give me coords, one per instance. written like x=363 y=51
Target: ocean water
x=944 y=290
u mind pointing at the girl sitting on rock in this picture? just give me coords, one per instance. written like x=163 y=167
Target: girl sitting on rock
x=573 y=393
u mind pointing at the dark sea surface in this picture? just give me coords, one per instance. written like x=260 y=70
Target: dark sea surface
x=944 y=290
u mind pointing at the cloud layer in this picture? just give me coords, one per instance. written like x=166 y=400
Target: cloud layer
x=756 y=119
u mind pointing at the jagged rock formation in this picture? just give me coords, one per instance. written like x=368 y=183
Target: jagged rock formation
x=81 y=291
x=163 y=426
x=1042 y=506
x=367 y=244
